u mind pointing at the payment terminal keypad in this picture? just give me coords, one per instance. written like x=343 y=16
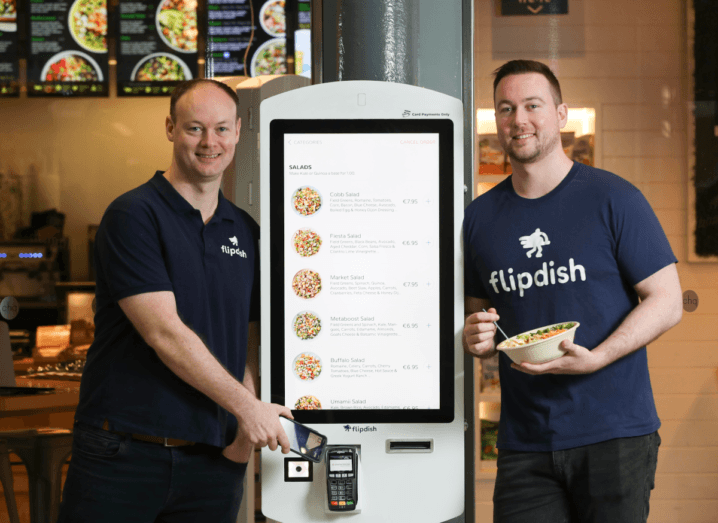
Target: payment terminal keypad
x=342 y=491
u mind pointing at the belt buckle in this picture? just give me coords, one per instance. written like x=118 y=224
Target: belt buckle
x=167 y=444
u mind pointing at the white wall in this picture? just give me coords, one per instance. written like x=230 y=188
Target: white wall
x=634 y=69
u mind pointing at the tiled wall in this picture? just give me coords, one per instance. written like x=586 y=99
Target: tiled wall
x=635 y=70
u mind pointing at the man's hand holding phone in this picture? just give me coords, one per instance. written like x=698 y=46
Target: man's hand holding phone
x=258 y=426
x=306 y=442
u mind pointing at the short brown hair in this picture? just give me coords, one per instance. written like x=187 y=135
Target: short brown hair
x=189 y=85
x=528 y=66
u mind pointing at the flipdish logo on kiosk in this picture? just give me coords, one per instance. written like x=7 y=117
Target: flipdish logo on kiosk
x=369 y=428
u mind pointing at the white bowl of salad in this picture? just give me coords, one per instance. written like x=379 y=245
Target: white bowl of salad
x=539 y=345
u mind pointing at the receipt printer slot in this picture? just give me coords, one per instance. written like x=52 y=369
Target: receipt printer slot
x=409 y=445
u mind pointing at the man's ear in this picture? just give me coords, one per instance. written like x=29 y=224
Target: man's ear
x=562 y=115
x=169 y=128
x=239 y=127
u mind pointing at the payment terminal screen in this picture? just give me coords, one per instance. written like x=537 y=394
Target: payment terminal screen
x=361 y=272
x=340 y=465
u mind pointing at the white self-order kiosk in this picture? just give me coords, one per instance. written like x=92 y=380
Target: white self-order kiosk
x=362 y=300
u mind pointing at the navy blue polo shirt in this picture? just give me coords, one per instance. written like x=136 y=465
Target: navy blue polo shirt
x=151 y=239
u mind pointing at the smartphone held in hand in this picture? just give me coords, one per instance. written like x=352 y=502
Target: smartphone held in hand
x=304 y=441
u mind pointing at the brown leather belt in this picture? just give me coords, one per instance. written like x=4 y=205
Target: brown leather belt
x=167 y=442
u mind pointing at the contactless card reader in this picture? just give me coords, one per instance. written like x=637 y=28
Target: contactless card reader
x=342 y=469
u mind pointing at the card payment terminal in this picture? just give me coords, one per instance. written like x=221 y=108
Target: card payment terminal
x=342 y=485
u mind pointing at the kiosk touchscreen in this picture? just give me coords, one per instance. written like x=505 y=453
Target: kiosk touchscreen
x=362 y=291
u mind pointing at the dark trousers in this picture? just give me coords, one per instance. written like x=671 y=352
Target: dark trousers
x=114 y=478
x=607 y=482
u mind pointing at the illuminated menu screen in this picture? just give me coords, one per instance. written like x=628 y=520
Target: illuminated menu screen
x=304 y=16
x=9 y=63
x=246 y=39
x=229 y=33
x=366 y=275
x=303 y=40
x=268 y=52
x=67 y=53
x=156 y=46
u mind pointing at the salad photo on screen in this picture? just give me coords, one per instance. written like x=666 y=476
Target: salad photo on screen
x=177 y=24
x=88 y=24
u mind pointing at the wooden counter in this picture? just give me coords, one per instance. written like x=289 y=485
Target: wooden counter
x=56 y=409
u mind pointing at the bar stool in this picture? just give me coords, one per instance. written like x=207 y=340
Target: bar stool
x=7 y=482
x=43 y=451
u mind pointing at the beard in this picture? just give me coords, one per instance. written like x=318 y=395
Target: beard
x=524 y=156
x=530 y=155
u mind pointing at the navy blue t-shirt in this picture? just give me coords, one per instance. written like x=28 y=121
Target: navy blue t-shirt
x=574 y=254
x=151 y=239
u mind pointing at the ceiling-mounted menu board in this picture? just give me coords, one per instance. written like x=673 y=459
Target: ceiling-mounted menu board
x=8 y=49
x=268 y=52
x=156 y=46
x=229 y=33
x=246 y=38
x=303 y=40
x=67 y=48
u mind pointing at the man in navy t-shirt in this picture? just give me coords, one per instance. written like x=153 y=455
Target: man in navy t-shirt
x=168 y=413
x=556 y=242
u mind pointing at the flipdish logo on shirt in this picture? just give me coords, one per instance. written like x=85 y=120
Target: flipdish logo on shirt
x=232 y=251
x=546 y=274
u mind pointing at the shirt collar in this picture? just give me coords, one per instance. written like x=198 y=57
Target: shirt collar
x=182 y=206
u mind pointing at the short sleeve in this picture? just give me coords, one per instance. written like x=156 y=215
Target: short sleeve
x=642 y=248
x=129 y=253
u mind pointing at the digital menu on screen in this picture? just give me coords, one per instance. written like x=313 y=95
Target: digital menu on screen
x=67 y=53
x=303 y=40
x=268 y=52
x=156 y=46
x=229 y=33
x=365 y=269
x=9 y=59
x=304 y=15
x=246 y=38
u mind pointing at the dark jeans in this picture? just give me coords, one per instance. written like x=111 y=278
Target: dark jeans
x=114 y=478
x=607 y=482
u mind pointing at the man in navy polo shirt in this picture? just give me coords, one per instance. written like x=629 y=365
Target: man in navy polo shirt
x=559 y=241
x=168 y=416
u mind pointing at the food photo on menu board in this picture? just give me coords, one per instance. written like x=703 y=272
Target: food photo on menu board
x=9 y=58
x=157 y=46
x=269 y=49
x=68 y=48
